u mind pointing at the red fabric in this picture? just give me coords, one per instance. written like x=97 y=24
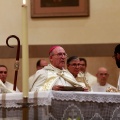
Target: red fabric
x=52 y=48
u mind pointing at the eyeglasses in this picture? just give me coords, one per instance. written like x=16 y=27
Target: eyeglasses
x=5 y=72
x=60 y=54
x=75 y=65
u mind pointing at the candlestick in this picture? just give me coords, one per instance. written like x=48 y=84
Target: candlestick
x=25 y=60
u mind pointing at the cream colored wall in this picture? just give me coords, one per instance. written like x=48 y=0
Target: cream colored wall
x=102 y=26
x=10 y=19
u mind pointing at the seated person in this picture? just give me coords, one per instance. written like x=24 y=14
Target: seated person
x=39 y=65
x=84 y=73
x=54 y=76
x=5 y=86
x=73 y=66
x=101 y=85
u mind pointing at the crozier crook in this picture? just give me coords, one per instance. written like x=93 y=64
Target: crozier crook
x=16 y=66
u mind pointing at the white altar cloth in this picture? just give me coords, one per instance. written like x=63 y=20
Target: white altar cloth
x=86 y=105
x=10 y=100
x=44 y=98
x=99 y=97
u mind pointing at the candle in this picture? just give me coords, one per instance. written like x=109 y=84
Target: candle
x=25 y=60
x=24 y=2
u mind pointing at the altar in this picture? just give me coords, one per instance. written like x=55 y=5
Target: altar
x=85 y=106
x=61 y=105
x=11 y=107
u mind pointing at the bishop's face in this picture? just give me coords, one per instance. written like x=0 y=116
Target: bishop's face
x=58 y=58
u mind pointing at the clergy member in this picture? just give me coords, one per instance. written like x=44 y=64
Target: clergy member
x=54 y=76
x=102 y=84
x=73 y=66
x=5 y=86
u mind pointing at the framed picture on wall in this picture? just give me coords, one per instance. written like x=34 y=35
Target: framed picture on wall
x=59 y=8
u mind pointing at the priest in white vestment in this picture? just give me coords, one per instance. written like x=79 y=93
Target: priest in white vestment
x=5 y=86
x=73 y=66
x=54 y=76
x=91 y=79
x=41 y=63
x=102 y=84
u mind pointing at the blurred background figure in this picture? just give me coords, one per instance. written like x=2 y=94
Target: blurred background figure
x=116 y=56
x=39 y=65
x=84 y=73
x=102 y=84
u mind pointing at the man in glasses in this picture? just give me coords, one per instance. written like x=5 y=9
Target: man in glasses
x=54 y=76
x=5 y=85
x=73 y=66
x=84 y=73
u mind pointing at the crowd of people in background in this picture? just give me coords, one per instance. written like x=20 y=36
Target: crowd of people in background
x=54 y=76
x=62 y=72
